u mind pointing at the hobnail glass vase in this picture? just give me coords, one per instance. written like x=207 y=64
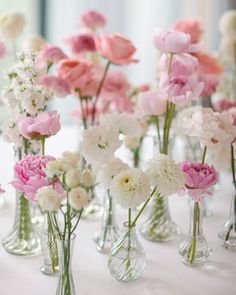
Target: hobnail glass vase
x=127 y=260
x=108 y=233
x=49 y=247
x=23 y=239
x=195 y=250
x=65 y=284
x=159 y=227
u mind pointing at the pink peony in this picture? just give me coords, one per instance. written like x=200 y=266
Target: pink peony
x=49 y=55
x=198 y=178
x=56 y=84
x=115 y=48
x=210 y=84
x=3 y=50
x=81 y=43
x=208 y=64
x=181 y=89
x=92 y=19
x=151 y=103
x=189 y=26
x=223 y=105
x=43 y=125
x=175 y=42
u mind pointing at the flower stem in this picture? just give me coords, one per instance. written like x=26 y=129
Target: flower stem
x=24 y=218
x=43 y=145
x=158 y=132
x=129 y=217
x=204 y=154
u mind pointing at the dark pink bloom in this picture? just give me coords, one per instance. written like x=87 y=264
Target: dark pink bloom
x=92 y=19
x=81 y=43
x=56 y=84
x=189 y=26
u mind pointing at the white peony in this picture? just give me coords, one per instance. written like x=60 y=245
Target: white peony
x=11 y=24
x=110 y=169
x=164 y=173
x=78 y=198
x=72 y=178
x=88 y=178
x=53 y=169
x=99 y=144
x=33 y=43
x=69 y=160
x=48 y=199
x=130 y=188
x=227 y=23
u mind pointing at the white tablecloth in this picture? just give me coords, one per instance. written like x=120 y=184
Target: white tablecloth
x=165 y=273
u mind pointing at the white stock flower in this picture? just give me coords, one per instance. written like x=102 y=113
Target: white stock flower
x=164 y=173
x=88 y=178
x=53 y=169
x=110 y=169
x=9 y=99
x=227 y=23
x=99 y=144
x=33 y=42
x=48 y=199
x=10 y=131
x=130 y=188
x=72 y=178
x=11 y=24
x=70 y=160
x=131 y=142
x=78 y=198
x=32 y=101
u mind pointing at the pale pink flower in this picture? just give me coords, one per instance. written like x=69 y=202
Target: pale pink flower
x=208 y=63
x=81 y=43
x=151 y=103
x=210 y=84
x=116 y=81
x=190 y=26
x=49 y=55
x=2 y=191
x=144 y=87
x=92 y=19
x=223 y=105
x=56 y=84
x=232 y=112
x=3 y=50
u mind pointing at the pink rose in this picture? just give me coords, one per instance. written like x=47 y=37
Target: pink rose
x=181 y=89
x=115 y=48
x=81 y=43
x=92 y=19
x=210 y=84
x=3 y=50
x=49 y=55
x=175 y=42
x=56 y=84
x=43 y=125
x=198 y=178
x=223 y=105
x=208 y=64
x=189 y=26
x=151 y=103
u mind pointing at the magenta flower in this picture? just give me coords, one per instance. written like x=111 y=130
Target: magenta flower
x=56 y=84
x=81 y=43
x=92 y=19
x=49 y=55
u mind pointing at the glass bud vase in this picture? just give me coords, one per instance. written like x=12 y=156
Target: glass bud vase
x=195 y=250
x=105 y=237
x=49 y=247
x=23 y=239
x=127 y=260
x=65 y=284
x=159 y=227
x=228 y=230
x=94 y=210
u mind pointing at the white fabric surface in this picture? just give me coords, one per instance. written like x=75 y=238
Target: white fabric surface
x=165 y=273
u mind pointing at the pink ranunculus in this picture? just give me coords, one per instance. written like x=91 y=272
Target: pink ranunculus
x=81 y=43
x=56 y=84
x=3 y=50
x=92 y=19
x=151 y=103
x=43 y=125
x=120 y=103
x=223 y=105
x=115 y=48
x=144 y=87
x=29 y=175
x=190 y=26
x=174 y=42
x=210 y=84
x=115 y=82
x=208 y=64
x=182 y=64
x=49 y=55
x=198 y=178
x=181 y=89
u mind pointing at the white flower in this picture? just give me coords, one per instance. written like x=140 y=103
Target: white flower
x=99 y=144
x=227 y=48
x=72 y=178
x=164 y=173
x=48 y=199
x=69 y=160
x=125 y=123
x=219 y=157
x=11 y=24
x=9 y=99
x=131 y=142
x=78 y=198
x=53 y=168
x=32 y=101
x=227 y=23
x=88 y=178
x=130 y=188
x=10 y=131
x=110 y=169
x=33 y=42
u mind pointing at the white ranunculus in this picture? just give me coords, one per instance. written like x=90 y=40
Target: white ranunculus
x=99 y=144
x=88 y=178
x=11 y=24
x=131 y=142
x=110 y=169
x=33 y=43
x=72 y=177
x=53 y=169
x=78 y=198
x=164 y=173
x=70 y=160
x=48 y=199
x=10 y=131
x=130 y=188
x=227 y=23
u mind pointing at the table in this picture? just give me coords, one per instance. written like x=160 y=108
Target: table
x=165 y=273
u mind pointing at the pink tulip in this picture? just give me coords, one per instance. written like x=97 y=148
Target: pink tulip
x=210 y=84
x=189 y=26
x=175 y=42
x=81 y=43
x=115 y=48
x=43 y=125
x=3 y=50
x=151 y=103
x=92 y=19
x=49 y=55
x=198 y=178
x=56 y=84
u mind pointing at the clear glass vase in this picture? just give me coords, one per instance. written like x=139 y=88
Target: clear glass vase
x=23 y=239
x=127 y=260
x=65 y=284
x=159 y=227
x=228 y=230
x=108 y=233
x=37 y=216
x=94 y=210
x=49 y=247
x=195 y=250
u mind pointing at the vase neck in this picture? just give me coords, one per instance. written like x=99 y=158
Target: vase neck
x=108 y=216
x=195 y=219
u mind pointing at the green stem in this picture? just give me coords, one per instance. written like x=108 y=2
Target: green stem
x=24 y=218
x=158 y=132
x=204 y=154
x=129 y=217
x=196 y=218
x=43 y=145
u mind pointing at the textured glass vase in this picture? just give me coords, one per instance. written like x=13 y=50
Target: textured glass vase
x=65 y=284
x=108 y=233
x=127 y=260
x=159 y=227
x=49 y=247
x=23 y=239
x=195 y=250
